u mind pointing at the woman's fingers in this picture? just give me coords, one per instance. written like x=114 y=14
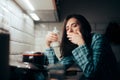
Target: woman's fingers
x=52 y=37
x=70 y=35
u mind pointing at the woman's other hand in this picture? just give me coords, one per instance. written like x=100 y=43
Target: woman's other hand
x=76 y=38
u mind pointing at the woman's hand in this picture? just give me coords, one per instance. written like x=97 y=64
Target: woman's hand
x=76 y=38
x=51 y=37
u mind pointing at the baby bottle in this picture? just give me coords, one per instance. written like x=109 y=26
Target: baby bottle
x=56 y=43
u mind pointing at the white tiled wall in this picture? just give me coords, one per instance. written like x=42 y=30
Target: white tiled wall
x=20 y=26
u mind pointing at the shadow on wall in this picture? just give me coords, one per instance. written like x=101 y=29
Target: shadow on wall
x=113 y=35
x=113 y=32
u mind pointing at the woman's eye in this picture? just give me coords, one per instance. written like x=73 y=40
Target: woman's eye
x=74 y=25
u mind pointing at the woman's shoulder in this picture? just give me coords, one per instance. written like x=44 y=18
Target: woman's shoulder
x=97 y=36
x=98 y=39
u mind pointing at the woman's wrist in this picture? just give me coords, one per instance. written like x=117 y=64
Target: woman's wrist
x=81 y=43
x=47 y=45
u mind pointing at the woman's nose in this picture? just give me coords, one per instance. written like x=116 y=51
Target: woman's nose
x=70 y=30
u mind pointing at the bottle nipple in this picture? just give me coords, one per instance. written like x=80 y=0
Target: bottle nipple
x=55 y=30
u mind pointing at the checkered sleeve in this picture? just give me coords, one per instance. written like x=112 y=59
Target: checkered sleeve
x=52 y=59
x=67 y=61
x=88 y=59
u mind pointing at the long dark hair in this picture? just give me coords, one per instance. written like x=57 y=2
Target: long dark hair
x=66 y=46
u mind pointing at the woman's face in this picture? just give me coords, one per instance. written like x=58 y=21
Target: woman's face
x=72 y=26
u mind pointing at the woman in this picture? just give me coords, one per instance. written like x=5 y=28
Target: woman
x=90 y=51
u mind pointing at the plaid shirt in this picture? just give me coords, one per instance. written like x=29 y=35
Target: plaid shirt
x=86 y=58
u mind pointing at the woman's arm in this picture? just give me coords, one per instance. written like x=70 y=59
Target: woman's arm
x=87 y=58
x=52 y=59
